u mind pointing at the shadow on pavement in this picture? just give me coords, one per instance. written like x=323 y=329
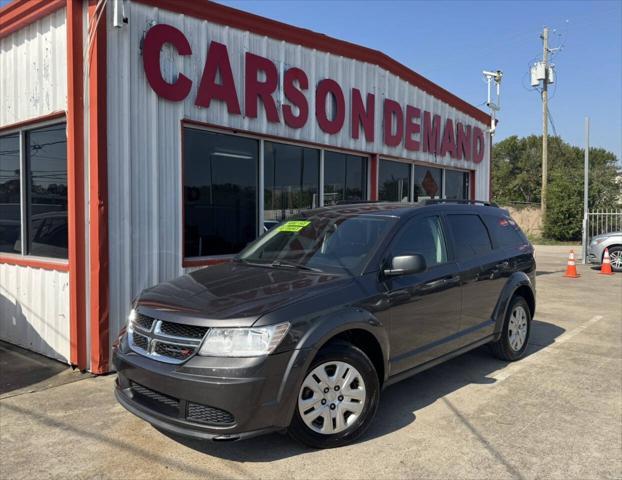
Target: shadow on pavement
x=398 y=403
x=21 y=368
x=545 y=272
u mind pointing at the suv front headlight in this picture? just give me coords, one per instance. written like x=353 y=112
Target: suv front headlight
x=243 y=342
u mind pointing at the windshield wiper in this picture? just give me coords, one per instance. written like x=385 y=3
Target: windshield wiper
x=300 y=266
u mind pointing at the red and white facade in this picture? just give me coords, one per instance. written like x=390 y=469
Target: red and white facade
x=126 y=95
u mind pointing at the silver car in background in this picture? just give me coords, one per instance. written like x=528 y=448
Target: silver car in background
x=612 y=241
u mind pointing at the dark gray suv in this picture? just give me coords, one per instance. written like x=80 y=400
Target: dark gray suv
x=305 y=327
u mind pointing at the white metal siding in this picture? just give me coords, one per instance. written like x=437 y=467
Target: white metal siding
x=34 y=303
x=144 y=165
x=34 y=309
x=33 y=70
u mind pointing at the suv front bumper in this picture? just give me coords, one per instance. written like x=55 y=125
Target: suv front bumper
x=243 y=396
x=595 y=254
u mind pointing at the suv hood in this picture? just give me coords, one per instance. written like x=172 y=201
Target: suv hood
x=233 y=294
x=607 y=235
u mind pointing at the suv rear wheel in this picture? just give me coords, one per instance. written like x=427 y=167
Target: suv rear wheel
x=338 y=397
x=516 y=329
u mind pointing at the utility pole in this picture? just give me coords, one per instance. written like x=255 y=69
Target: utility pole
x=586 y=163
x=545 y=120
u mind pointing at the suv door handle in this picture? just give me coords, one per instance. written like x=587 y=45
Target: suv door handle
x=452 y=278
x=442 y=281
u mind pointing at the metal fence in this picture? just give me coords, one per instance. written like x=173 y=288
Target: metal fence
x=599 y=222
x=604 y=221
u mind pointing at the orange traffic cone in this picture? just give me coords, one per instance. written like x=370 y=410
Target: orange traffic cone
x=605 y=268
x=571 y=269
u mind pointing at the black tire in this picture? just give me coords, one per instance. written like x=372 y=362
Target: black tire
x=612 y=250
x=503 y=348
x=340 y=352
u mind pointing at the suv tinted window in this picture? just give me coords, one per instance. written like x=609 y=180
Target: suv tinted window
x=470 y=235
x=423 y=236
x=505 y=231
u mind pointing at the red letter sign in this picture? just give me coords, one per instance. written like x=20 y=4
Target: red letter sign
x=431 y=131
x=448 y=145
x=412 y=128
x=218 y=60
x=324 y=88
x=463 y=146
x=296 y=97
x=362 y=115
x=156 y=37
x=260 y=90
x=393 y=109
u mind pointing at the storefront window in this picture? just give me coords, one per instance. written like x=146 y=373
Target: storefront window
x=45 y=212
x=291 y=180
x=47 y=163
x=428 y=183
x=456 y=185
x=345 y=178
x=394 y=181
x=220 y=192
x=10 y=223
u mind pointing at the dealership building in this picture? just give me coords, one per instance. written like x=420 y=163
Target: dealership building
x=140 y=139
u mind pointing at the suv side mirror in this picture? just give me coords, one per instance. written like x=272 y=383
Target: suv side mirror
x=406 y=265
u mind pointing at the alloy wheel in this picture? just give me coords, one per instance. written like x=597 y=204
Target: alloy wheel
x=332 y=397
x=615 y=258
x=517 y=328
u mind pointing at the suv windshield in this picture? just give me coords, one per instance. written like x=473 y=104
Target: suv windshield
x=320 y=242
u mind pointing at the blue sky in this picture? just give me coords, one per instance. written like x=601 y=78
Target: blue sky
x=451 y=42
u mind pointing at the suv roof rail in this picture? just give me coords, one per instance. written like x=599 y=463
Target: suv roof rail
x=463 y=202
x=355 y=202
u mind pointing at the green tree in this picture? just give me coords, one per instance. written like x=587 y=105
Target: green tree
x=516 y=173
x=517 y=177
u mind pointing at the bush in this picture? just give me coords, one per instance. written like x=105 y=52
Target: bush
x=564 y=212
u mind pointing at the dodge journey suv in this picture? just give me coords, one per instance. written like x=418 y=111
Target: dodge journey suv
x=303 y=329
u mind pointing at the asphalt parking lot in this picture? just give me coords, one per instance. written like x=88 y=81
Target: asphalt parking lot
x=555 y=414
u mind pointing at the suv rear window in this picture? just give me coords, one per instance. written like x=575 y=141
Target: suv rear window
x=505 y=231
x=470 y=236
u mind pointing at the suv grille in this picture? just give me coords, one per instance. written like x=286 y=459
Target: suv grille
x=181 y=330
x=155 y=396
x=141 y=341
x=173 y=407
x=144 y=322
x=173 y=351
x=168 y=342
x=204 y=414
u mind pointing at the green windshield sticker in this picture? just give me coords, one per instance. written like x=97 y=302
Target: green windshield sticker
x=294 y=226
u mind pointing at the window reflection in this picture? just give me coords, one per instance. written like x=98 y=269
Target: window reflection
x=46 y=150
x=220 y=192
x=10 y=229
x=345 y=177
x=291 y=180
x=456 y=185
x=394 y=181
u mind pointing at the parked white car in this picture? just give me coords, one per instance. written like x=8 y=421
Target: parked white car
x=611 y=241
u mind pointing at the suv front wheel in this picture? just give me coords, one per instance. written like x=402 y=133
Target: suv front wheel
x=337 y=399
